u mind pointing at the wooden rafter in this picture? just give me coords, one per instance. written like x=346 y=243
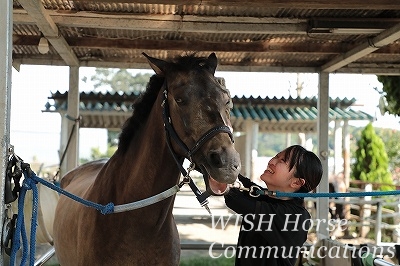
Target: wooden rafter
x=49 y=30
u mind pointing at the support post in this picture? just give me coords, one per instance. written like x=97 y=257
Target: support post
x=6 y=20
x=346 y=153
x=338 y=157
x=254 y=149
x=70 y=125
x=378 y=224
x=249 y=148
x=73 y=112
x=323 y=152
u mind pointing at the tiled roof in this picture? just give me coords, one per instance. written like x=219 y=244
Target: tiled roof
x=110 y=110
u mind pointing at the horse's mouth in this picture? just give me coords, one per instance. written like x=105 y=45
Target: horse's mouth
x=213 y=186
x=216 y=187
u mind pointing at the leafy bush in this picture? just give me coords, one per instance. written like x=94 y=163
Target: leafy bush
x=371 y=160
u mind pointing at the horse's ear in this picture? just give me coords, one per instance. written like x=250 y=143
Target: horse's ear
x=212 y=62
x=157 y=65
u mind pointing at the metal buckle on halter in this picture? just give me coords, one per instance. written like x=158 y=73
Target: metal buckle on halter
x=190 y=168
x=239 y=185
x=186 y=178
x=253 y=191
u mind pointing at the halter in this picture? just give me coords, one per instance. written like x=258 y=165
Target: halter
x=171 y=134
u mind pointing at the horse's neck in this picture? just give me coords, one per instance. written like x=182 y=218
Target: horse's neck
x=145 y=169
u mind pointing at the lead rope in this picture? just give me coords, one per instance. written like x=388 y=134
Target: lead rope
x=20 y=231
x=29 y=183
x=256 y=191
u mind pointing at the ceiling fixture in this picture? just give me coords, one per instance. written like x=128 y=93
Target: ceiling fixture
x=43 y=45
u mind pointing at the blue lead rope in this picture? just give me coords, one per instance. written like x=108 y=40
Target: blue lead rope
x=29 y=183
x=328 y=194
x=104 y=209
x=20 y=231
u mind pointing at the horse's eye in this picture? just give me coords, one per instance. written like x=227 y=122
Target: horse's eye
x=229 y=104
x=179 y=100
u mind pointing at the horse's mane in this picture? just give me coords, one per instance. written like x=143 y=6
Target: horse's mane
x=143 y=105
x=141 y=110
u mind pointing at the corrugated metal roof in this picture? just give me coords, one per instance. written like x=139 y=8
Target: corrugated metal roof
x=257 y=35
x=110 y=110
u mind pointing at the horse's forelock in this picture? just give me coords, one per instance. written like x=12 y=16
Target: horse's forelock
x=192 y=62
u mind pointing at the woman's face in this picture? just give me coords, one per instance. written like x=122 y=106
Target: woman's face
x=277 y=176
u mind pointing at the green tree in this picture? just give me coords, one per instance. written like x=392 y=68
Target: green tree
x=119 y=80
x=371 y=163
x=391 y=138
x=390 y=94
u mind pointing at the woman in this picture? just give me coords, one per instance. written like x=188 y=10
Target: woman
x=274 y=229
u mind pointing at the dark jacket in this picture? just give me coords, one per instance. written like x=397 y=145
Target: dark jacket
x=273 y=231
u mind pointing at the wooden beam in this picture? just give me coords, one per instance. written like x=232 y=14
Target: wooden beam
x=394 y=70
x=307 y=4
x=50 y=30
x=189 y=45
x=174 y=23
x=386 y=37
x=267 y=46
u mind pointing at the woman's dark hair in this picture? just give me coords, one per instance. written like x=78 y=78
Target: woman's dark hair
x=307 y=165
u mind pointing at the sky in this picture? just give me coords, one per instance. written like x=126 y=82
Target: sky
x=36 y=134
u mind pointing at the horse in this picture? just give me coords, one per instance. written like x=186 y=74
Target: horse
x=184 y=105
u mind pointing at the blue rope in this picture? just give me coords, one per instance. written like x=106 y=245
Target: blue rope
x=104 y=209
x=35 y=208
x=29 y=183
x=31 y=179
x=20 y=231
x=329 y=194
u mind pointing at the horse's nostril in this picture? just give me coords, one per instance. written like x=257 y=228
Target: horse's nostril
x=215 y=159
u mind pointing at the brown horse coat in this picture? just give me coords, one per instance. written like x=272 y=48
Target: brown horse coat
x=143 y=166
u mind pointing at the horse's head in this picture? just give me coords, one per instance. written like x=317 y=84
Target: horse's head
x=197 y=109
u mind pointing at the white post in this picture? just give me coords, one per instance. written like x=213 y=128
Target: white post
x=240 y=146
x=338 y=162
x=254 y=149
x=346 y=168
x=346 y=153
x=378 y=226
x=69 y=126
x=72 y=115
x=6 y=20
x=366 y=213
x=251 y=147
x=323 y=152
x=247 y=149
